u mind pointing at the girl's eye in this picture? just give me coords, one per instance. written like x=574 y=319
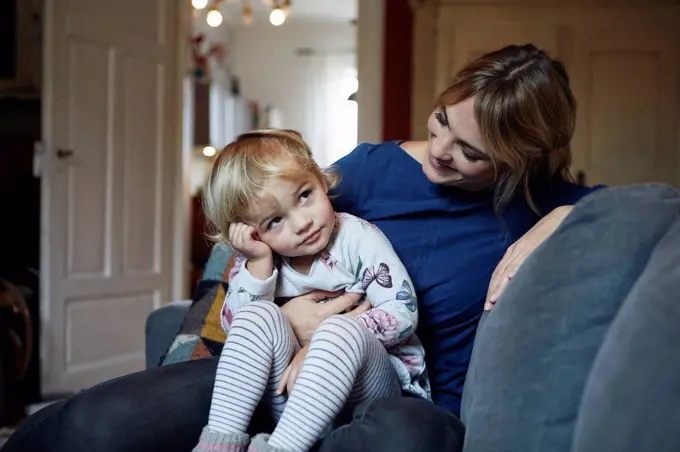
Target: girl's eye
x=305 y=195
x=274 y=222
x=432 y=135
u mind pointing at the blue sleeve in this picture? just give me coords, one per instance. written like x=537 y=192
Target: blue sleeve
x=562 y=193
x=344 y=196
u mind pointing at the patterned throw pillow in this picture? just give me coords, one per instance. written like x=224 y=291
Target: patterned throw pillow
x=201 y=334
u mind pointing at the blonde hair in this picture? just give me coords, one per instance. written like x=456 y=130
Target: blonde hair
x=526 y=114
x=242 y=169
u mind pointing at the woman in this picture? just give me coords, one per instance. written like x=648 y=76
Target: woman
x=496 y=161
x=463 y=210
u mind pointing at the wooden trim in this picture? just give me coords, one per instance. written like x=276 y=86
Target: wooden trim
x=424 y=63
x=397 y=74
x=421 y=4
x=184 y=139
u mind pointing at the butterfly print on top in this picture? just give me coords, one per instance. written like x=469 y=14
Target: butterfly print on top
x=381 y=276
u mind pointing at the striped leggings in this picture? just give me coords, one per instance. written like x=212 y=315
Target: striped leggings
x=345 y=365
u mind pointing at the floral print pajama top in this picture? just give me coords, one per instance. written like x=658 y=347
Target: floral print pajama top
x=360 y=259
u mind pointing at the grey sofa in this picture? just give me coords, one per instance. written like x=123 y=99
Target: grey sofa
x=580 y=354
x=162 y=326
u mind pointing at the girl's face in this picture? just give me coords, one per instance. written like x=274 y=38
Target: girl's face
x=456 y=154
x=294 y=217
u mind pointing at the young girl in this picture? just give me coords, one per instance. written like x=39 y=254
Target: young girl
x=269 y=200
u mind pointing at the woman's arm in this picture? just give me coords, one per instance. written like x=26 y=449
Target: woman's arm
x=520 y=250
x=558 y=199
x=305 y=313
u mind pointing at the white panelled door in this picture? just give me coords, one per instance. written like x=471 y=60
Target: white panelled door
x=110 y=124
x=626 y=80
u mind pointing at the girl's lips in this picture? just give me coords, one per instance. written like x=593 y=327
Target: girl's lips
x=311 y=238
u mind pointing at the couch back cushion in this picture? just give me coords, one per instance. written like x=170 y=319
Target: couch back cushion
x=533 y=353
x=201 y=334
x=630 y=402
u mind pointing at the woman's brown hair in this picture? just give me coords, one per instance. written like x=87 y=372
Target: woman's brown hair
x=526 y=113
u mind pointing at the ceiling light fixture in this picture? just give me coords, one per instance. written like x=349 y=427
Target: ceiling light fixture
x=247 y=13
x=199 y=4
x=277 y=17
x=214 y=17
x=280 y=9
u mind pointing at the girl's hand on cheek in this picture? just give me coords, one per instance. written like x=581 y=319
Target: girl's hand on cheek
x=244 y=239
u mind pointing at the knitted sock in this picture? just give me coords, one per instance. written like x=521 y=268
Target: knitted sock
x=260 y=443
x=259 y=347
x=211 y=441
x=345 y=363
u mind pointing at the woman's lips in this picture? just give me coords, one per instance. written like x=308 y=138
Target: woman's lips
x=438 y=166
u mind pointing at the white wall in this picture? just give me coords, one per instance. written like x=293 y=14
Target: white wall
x=264 y=58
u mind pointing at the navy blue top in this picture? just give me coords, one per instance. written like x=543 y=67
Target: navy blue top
x=450 y=241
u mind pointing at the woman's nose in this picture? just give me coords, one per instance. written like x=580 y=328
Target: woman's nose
x=439 y=152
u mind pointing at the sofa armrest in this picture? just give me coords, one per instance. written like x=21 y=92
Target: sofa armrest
x=162 y=325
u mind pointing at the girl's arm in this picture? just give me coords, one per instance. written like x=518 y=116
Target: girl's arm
x=382 y=276
x=244 y=288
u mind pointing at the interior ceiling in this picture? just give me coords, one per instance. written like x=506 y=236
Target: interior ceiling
x=307 y=10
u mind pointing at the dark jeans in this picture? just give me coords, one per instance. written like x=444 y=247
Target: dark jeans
x=164 y=409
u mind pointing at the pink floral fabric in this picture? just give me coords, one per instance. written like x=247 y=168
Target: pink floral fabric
x=383 y=324
x=239 y=260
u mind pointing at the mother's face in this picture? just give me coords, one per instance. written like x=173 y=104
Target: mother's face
x=456 y=153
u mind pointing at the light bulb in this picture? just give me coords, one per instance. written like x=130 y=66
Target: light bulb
x=247 y=14
x=199 y=4
x=214 y=17
x=209 y=151
x=277 y=17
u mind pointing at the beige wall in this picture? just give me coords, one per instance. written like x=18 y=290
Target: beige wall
x=370 y=31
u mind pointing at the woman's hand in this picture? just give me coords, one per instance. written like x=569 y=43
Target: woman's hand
x=305 y=313
x=520 y=250
x=292 y=371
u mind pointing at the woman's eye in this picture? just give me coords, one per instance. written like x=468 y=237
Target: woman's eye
x=441 y=119
x=470 y=158
x=274 y=222
x=305 y=195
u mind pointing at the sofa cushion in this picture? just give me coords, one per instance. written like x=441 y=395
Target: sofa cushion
x=201 y=334
x=632 y=395
x=534 y=351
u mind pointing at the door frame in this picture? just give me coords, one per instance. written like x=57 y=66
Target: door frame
x=183 y=143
